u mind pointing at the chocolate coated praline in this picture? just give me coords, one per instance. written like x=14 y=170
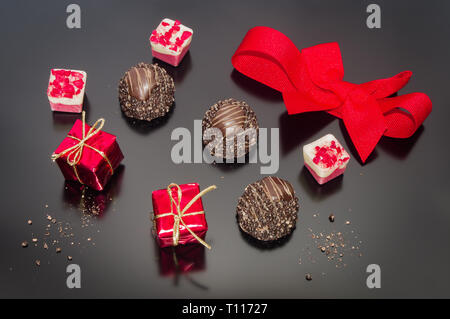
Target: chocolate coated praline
x=146 y=92
x=234 y=119
x=267 y=210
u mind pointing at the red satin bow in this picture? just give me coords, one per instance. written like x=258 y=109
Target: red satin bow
x=312 y=80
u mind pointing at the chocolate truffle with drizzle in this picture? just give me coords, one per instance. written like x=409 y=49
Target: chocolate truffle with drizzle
x=238 y=127
x=146 y=92
x=268 y=209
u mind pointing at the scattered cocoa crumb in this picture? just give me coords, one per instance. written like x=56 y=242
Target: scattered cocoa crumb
x=332 y=244
x=308 y=277
x=45 y=246
x=69 y=257
x=331 y=218
x=58 y=250
x=30 y=222
x=24 y=244
x=37 y=262
x=34 y=240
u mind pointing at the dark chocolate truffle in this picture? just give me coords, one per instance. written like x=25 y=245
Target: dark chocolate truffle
x=268 y=209
x=238 y=125
x=146 y=92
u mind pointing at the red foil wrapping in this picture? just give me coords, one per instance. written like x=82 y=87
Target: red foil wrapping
x=164 y=225
x=181 y=259
x=93 y=169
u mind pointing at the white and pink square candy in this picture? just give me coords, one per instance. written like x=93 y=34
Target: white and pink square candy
x=171 y=41
x=325 y=158
x=66 y=90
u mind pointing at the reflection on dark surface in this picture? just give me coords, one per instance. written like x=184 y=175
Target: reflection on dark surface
x=90 y=201
x=316 y=191
x=181 y=261
x=400 y=147
x=177 y=72
x=264 y=245
x=351 y=147
x=296 y=129
x=255 y=88
x=145 y=127
x=63 y=121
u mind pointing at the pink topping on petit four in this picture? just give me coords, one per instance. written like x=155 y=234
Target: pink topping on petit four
x=66 y=83
x=165 y=39
x=328 y=156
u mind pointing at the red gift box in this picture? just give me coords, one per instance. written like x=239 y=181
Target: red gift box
x=181 y=259
x=180 y=219
x=89 y=156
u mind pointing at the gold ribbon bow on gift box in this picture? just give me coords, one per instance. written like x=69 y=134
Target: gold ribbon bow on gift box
x=75 y=152
x=180 y=213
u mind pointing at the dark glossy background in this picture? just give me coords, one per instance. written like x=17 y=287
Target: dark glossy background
x=397 y=203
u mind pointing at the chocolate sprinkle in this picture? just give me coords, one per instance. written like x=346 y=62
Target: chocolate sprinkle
x=146 y=92
x=232 y=118
x=268 y=215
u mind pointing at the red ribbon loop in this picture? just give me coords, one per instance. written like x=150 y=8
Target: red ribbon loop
x=312 y=80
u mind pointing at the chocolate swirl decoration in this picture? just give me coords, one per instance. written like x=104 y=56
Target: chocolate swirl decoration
x=140 y=82
x=231 y=117
x=277 y=189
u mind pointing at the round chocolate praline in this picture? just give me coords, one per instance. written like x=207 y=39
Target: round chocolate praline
x=267 y=210
x=146 y=92
x=233 y=118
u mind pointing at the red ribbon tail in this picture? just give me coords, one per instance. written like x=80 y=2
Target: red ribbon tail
x=364 y=122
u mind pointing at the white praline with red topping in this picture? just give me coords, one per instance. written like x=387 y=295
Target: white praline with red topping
x=66 y=86
x=170 y=37
x=325 y=155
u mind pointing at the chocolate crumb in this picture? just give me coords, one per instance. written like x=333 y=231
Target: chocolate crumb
x=37 y=262
x=58 y=250
x=331 y=218
x=237 y=122
x=25 y=244
x=347 y=222
x=30 y=222
x=69 y=257
x=267 y=210
x=146 y=92
x=308 y=277
x=34 y=240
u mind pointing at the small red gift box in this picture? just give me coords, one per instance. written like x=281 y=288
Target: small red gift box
x=173 y=223
x=181 y=259
x=89 y=156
